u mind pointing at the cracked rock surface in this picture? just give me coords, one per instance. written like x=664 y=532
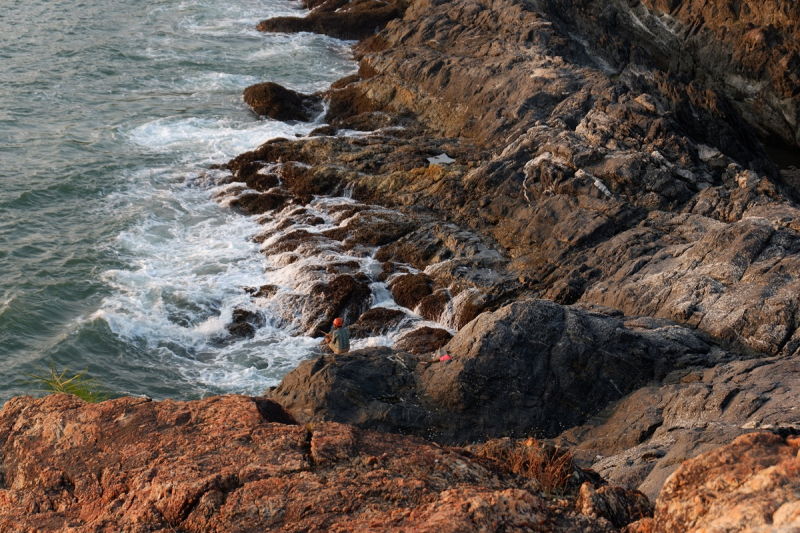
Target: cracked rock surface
x=235 y=464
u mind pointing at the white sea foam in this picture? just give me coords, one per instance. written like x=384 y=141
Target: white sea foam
x=186 y=259
x=211 y=138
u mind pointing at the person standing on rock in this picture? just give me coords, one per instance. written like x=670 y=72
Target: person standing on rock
x=339 y=339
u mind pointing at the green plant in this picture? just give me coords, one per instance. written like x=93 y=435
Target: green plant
x=89 y=389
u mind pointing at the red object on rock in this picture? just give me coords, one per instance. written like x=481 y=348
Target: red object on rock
x=445 y=358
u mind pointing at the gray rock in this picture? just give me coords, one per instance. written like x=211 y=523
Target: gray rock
x=640 y=440
x=531 y=367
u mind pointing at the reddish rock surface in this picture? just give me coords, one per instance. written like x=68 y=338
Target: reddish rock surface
x=234 y=463
x=751 y=485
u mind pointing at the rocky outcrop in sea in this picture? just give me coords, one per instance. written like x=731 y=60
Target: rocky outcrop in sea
x=571 y=199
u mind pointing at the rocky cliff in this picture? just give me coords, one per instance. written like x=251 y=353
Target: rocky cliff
x=580 y=194
x=573 y=200
x=239 y=464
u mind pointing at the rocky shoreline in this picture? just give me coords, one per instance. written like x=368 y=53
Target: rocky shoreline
x=573 y=199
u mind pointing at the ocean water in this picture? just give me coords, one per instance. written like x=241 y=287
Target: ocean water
x=114 y=254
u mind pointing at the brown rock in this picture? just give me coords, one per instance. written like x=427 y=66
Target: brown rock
x=410 y=289
x=639 y=441
x=244 y=323
x=432 y=306
x=617 y=505
x=423 y=340
x=645 y=525
x=376 y=321
x=750 y=485
x=277 y=102
x=353 y=20
x=236 y=464
x=259 y=203
x=345 y=296
x=532 y=366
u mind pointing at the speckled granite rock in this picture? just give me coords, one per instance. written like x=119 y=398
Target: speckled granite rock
x=239 y=464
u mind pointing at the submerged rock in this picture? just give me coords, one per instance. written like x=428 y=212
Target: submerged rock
x=244 y=323
x=344 y=20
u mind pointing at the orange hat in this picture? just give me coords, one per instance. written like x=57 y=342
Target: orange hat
x=337 y=322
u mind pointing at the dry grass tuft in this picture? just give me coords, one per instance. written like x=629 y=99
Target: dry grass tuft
x=551 y=467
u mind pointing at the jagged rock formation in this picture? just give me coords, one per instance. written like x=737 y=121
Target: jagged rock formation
x=580 y=175
x=530 y=367
x=749 y=50
x=237 y=464
x=639 y=441
x=750 y=485
x=601 y=154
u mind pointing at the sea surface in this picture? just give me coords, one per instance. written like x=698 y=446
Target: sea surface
x=114 y=255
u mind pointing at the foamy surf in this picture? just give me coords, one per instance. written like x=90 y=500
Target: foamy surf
x=189 y=259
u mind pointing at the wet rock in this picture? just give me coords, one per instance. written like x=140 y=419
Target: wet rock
x=376 y=321
x=345 y=296
x=409 y=290
x=137 y=465
x=434 y=305
x=260 y=203
x=424 y=340
x=372 y=227
x=750 y=485
x=298 y=240
x=244 y=323
x=353 y=20
x=279 y=103
x=304 y=181
x=265 y=291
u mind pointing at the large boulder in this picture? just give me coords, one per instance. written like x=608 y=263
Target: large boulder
x=538 y=366
x=531 y=367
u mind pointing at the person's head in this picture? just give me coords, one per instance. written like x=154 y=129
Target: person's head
x=337 y=322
